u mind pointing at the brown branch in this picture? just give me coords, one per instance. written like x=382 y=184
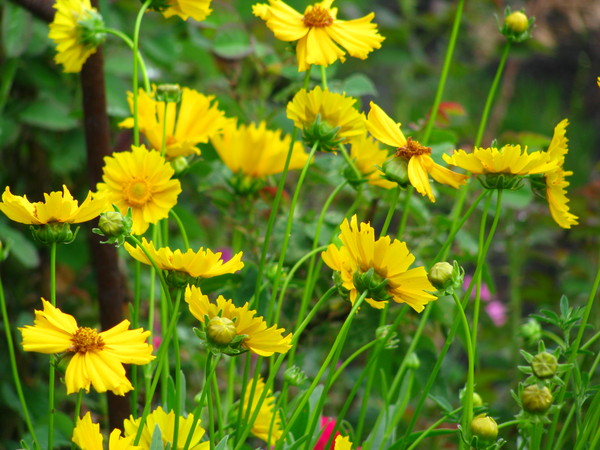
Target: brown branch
x=42 y=9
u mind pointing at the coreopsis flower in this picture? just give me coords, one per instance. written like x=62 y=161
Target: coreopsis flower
x=196 y=9
x=251 y=333
x=253 y=152
x=503 y=168
x=265 y=421
x=556 y=183
x=378 y=267
x=420 y=165
x=51 y=218
x=194 y=122
x=77 y=30
x=140 y=179
x=322 y=38
x=326 y=117
x=188 y=267
x=369 y=158
x=342 y=443
x=96 y=358
x=166 y=423
x=87 y=436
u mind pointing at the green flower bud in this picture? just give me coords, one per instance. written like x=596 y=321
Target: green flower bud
x=395 y=169
x=516 y=26
x=536 y=400
x=412 y=361
x=323 y=135
x=294 y=376
x=244 y=185
x=221 y=330
x=114 y=226
x=485 y=428
x=170 y=93
x=440 y=275
x=56 y=232
x=180 y=165
x=517 y=22
x=544 y=365
x=531 y=331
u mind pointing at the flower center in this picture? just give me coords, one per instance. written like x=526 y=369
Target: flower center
x=86 y=340
x=137 y=193
x=412 y=148
x=317 y=16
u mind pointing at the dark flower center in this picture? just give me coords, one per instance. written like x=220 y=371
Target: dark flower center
x=412 y=148
x=317 y=16
x=86 y=340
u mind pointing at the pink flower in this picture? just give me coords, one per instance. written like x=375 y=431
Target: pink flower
x=327 y=425
x=485 y=293
x=497 y=312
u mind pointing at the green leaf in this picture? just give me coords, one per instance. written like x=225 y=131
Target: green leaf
x=355 y=85
x=222 y=445
x=232 y=43
x=21 y=248
x=16 y=29
x=49 y=114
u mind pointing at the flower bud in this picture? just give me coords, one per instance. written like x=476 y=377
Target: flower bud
x=517 y=22
x=531 y=331
x=395 y=169
x=440 y=275
x=170 y=93
x=484 y=427
x=536 y=400
x=221 y=330
x=114 y=226
x=179 y=165
x=544 y=365
x=412 y=361
x=294 y=376
x=323 y=135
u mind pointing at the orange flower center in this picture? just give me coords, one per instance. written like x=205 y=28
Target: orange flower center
x=412 y=148
x=317 y=16
x=86 y=340
x=137 y=193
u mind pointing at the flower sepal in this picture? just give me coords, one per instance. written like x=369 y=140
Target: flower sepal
x=354 y=177
x=54 y=233
x=158 y=5
x=446 y=277
x=169 y=93
x=373 y=284
x=395 y=169
x=179 y=280
x=92 y=32
x=114 y=226
x=323 y=135
x=508 y=181
x=244 y=185
x=219 y=335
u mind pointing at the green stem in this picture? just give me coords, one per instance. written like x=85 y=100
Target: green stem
x=391 y=211
x=76 y=413
x=177 y=406
x=467 y=400
x=13 y=367
x=405 y=212
x=350 y=162
x=432 y=427
x=445 y=71
x=324 y=78
x=52 y=374
x=184 y=237
x=130 y=44
x=136 y=50
x=574 y=350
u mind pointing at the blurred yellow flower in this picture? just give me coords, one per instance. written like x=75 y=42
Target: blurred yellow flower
x=166 y=424
x=556 y=183
x=57 y=207
x=379 y=267
x=322 y=38
x=336 y=110
x=87 y=436
x=96 y=358
x=264 y=419
x=203 y=263
x=420 y=163
x=140 y=179
x=342 y=443
x=196 y=120
x=77 y=32
x=368 y=158
x=256 y=336
x=256 y=151
x=196 y=9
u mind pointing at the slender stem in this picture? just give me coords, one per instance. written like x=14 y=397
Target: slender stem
x=391 y=211
x=184 y=237
x=136 y=50
x=76 y=413
x=350 y=162
x=177 y=406
x=574 y=350
x=129 y=43
x=467 y=400
x=445 y=71
x=432 y=427
x=405 y=212
x=13 y=367
x=52 y=373
x=324 y=77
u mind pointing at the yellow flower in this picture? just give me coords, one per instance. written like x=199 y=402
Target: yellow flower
x=510 y=159
x=200 y=264
x=556 y=184
x=97 y=358
x=335 y=110
x=75 y=32
x=368 y=158
x=57 y=207
x=420 y=163
x=196 y=9
x=141 y=180
x=264 y=419
x=379 y=267
x=195 y=121
x=88 y=437
x=255 y=151
x=256 y=336
x=166 y=424
x=319 y=33
x=342 y=443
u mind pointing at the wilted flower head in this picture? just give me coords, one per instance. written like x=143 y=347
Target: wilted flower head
x=77 y=30
x=319 y=33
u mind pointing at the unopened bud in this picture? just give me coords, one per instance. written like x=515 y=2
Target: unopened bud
x=516 y=26
x=536 y=400
x=485 y=428
x=395 y=169
x=170 y=93
x=440 y=275
x=221 y=330
x=544 y=365
x=294 y=376
x=517 y=21
x=412 y=361
x=531 y=331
